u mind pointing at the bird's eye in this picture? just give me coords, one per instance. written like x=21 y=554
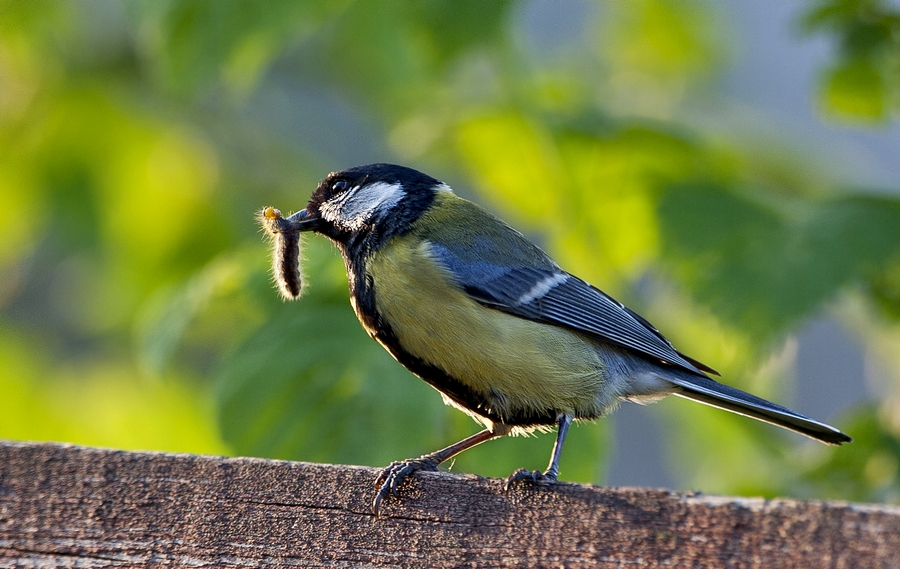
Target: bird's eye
x=339 y=186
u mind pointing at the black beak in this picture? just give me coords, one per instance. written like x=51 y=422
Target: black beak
x=304 y=221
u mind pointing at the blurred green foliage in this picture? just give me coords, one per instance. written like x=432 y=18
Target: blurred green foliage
x=137 y=140
x=863 y=83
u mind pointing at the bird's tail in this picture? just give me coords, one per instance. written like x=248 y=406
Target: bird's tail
x=709 y=392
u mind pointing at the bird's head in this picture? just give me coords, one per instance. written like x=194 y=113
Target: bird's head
x=382 y=199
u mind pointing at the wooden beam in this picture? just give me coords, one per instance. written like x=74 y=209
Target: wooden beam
x=65 y=506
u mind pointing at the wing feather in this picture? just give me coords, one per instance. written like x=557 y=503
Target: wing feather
x=567 y=301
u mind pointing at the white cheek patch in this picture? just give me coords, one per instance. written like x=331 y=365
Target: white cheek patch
x=357 y=206
x=542 y=287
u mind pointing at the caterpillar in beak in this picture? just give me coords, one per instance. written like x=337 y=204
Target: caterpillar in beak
x=285 y=236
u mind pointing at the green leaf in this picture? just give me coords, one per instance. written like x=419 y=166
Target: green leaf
x=863 y=84
x=193 y=44
x=868 y=470
x=857 y=91
x=395 y=55
x=168 y=314
x=762 y=266
x=99 y=403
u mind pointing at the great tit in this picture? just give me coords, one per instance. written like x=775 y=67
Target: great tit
x=487 y=318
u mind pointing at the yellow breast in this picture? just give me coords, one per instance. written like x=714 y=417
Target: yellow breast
x=521 y=364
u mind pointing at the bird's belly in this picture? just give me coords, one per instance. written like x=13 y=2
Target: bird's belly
x=522 y=368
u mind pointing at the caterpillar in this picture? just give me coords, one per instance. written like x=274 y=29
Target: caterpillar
x=285 y=252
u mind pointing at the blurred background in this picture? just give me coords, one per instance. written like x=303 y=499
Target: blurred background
x=730 y=170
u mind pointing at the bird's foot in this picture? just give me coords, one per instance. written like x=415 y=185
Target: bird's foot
x=532 y=477
x=392 y=476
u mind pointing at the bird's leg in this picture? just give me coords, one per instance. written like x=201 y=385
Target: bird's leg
x=391 y=477
x=552 y=473
x=553 y=468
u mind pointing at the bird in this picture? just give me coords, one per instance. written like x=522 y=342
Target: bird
x=486 y=317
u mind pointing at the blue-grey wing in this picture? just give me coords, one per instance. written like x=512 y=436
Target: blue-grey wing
x=532 y=286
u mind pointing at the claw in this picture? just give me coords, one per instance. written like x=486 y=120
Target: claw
x=390 y=479
x=535 y=478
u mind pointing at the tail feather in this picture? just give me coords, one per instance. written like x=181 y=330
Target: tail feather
x=709 y=392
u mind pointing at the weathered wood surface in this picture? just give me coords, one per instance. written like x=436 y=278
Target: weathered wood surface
x=67 y=506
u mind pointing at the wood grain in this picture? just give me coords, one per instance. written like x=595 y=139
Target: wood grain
x=67 y=506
